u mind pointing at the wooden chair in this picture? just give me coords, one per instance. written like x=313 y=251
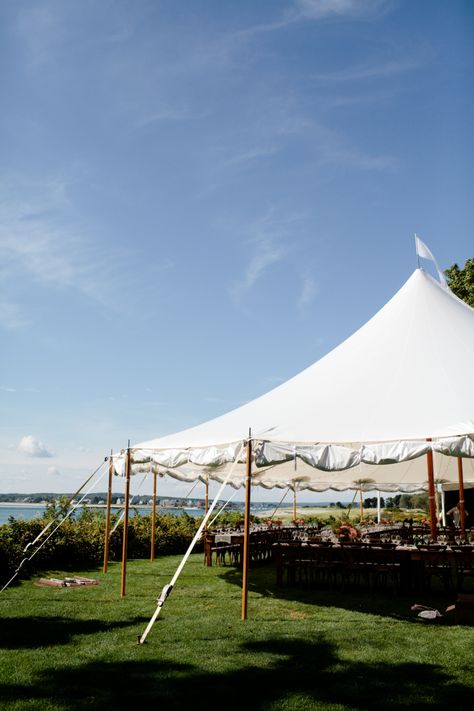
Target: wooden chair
x=463 y=563
x=436 y=564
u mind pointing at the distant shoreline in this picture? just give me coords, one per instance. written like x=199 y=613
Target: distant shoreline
x=29 y=504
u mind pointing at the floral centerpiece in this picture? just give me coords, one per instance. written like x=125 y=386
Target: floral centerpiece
x=347 y=532
x=273 y=522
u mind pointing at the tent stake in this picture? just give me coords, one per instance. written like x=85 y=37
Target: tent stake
x=431 y=493
x=125 y=523
x=245 y=556
x=107 y=515
x=462 y=510
x=153 y=519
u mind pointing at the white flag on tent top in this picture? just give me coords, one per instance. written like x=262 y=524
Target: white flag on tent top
x=425 y=253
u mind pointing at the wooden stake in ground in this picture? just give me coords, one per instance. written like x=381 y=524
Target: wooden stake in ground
x=431 y=494
x=125 y=523
x=107 y=514
x=245 y=553
x=153 y=519
x=462 y=510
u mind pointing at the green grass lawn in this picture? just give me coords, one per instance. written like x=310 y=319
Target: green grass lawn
x=299 y=649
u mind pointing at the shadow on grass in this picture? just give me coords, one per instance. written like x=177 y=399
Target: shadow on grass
x=262 y=580
x=32 y=632
x=278 y=673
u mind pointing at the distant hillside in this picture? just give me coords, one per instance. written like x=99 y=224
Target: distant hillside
x=101 y=498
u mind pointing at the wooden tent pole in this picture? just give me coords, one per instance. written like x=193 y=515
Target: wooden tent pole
x=107 y=514
x=294 y=503
x=153 y=519
x=361 y=505
x=462 y=510
x=431 y=493
x=125 y=523
x=245 y=552
x=379 y=516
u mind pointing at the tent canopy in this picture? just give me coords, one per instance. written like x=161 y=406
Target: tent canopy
x=361 y=415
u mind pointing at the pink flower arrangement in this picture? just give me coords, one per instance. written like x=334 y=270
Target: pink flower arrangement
x=348 y=531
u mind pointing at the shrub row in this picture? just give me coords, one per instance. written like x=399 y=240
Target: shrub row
x=79 y=542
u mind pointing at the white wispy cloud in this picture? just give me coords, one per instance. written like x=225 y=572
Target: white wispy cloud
x=41 y=237
x=48 y=29
x=251 y=155
x=12 y=316
x=320 y=9
x=267 y=248
x=33 y=447
x=371 y=71
x=39 y=31
x=45 y=242
x=307 y=292
x=53 y=471
x=317 y=10
x=7 y=390
x=170 y=113
x=332 y=147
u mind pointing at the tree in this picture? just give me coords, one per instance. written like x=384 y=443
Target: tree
x=461 y=281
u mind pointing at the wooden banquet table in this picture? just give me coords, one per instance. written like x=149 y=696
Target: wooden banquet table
x=227 y=546
x=404 y=568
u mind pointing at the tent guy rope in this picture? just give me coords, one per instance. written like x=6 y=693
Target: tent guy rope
x=168 y=588
x=68 y=503
x=69 y=513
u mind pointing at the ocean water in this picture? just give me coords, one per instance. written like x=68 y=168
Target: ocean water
x=18 y=511
x=25 y=513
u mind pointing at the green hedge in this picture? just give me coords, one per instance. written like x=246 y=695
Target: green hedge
x=79 y=542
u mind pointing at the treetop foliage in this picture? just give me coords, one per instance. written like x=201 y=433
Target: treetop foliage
x=461 y=281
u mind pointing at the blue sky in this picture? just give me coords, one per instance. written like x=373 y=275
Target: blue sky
x=201 y=198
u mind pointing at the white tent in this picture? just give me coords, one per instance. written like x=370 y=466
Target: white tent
x=363 y=416
x=358 y=417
